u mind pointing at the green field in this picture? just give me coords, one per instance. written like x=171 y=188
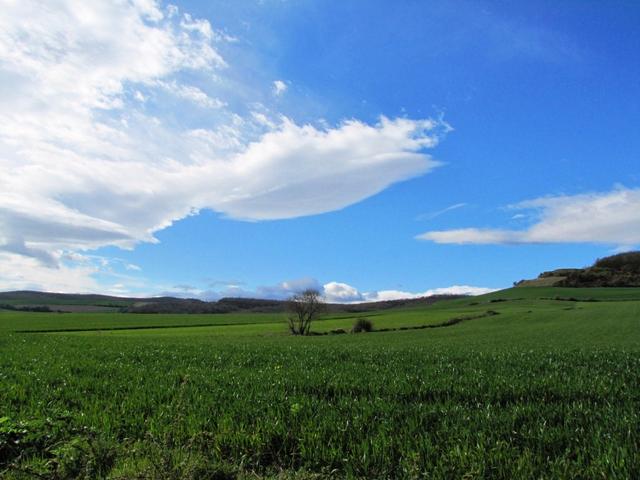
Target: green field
x=526 y=383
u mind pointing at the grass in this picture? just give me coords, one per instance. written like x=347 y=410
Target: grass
x=543 y=389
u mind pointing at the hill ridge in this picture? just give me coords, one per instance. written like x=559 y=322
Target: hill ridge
x=29 y=299
x=619 y=270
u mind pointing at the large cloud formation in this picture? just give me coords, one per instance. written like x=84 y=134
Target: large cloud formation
x=611 y=218
x=90 y=154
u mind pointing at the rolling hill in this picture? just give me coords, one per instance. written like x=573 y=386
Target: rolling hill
x=26 y=300
x=621 y=270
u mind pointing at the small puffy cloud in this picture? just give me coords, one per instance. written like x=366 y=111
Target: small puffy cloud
x=201 y=26
x=279 y=87
x=336 y=292
x=190 y=93
x=464 y=236
x=263 y=120
x=611 y=218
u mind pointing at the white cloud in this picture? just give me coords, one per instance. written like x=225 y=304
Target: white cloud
x=460 y=290
x=74 y=273
x=279 y=87
x=611 y=218
x=263 y=120
x=191 y=93
x=333 y=292
x=471 y=236
x=188 y=23
x=88 y=160
x=20 y=272
x=302 y=170
x=336 y=292
x=383 y=295
x=148 y=9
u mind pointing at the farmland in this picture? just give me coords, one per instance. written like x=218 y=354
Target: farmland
x=526 y=383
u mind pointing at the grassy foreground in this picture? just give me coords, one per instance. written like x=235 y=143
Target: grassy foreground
x=528 y=383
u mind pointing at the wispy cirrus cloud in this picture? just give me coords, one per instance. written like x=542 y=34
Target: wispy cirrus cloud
x=610 y=218
x=90 y=156
x=437 y=213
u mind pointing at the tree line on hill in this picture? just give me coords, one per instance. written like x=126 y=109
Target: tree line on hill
x=34 y=301
x=253 y=305
x=621 y=270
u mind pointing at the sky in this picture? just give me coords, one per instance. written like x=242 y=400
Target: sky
x=369 y=149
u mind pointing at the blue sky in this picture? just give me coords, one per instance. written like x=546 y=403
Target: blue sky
x=372 y=150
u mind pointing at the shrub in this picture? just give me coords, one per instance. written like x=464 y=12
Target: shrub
x=362 y=325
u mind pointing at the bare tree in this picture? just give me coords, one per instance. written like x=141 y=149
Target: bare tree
x=304 y=307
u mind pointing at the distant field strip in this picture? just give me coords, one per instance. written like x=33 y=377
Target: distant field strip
x=138 y=327
x=447 y=323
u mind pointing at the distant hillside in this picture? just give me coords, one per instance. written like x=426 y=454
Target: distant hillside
x=65 y=302
x=28 y=297
x=229 y=305
x=621 y=270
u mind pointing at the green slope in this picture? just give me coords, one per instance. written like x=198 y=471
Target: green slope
x=545 y=388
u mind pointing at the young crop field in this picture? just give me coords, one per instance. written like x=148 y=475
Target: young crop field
x=523 y=383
